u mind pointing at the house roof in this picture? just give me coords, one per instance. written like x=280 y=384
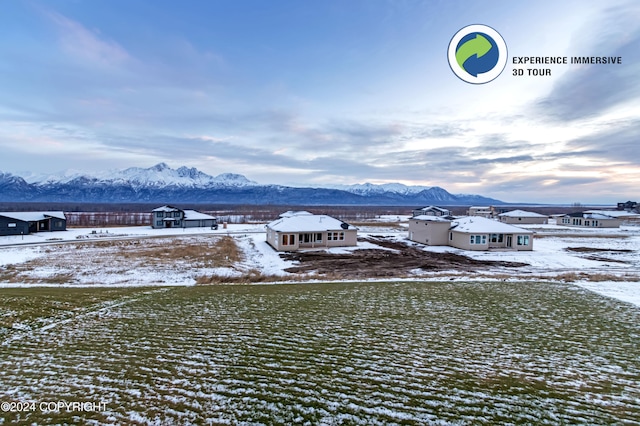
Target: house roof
x=481 y=225
x=521 y=213
x=430 y=218
x=309 y=223
x=290 y=213
x=440 y=209
x=33 y=216
x=612 y=213
x=196 y=215
x=166 y=209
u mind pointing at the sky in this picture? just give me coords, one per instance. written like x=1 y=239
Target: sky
x=312 y=93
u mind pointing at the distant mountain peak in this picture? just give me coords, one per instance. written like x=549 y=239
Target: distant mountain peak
x=161 y=183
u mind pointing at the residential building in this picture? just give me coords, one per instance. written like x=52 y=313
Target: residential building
x=173 y=217
x=522 y=217
x=630 y=206
x=469 y=233
x=595 y=218
x=23 y=223
x=431 y=211
x=482 y=211
x=295 y=232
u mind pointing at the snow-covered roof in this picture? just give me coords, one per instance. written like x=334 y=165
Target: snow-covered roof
x=290 y=213
x=430 y=218
x=521 y=213
x=476 y=224
x=308 y=223
x=33 y=216
x=166 y=209
x=428 y=208
x=195 y=215
x=612 y=213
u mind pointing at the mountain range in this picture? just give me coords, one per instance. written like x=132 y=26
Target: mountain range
x=162 y=184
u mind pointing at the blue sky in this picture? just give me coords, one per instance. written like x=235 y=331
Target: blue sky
x=324 y=92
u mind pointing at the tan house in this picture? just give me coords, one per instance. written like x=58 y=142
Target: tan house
x=308 y=231
x=482 y=211
x=597 y=219
x=522 y=217
x=469 y=233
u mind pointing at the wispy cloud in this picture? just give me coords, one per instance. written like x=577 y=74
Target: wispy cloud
x=85 y=45
x=586 y=91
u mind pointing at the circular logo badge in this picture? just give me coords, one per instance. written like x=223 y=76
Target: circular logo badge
x=477 y=54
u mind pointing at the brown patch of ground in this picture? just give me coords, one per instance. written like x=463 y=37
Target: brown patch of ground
x=596 y=250
x=377 y=263
x=599 y=250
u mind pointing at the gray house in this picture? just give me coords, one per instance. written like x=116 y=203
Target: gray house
x=173 y=217
x=431 y=211
x=23 y=223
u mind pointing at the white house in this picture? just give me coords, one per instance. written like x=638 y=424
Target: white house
x=294 y=232
x=469 y=233
x=522 y=217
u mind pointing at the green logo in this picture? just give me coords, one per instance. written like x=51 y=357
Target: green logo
x=477 y=54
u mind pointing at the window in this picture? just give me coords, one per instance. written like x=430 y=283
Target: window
x=341 y=236
x=158 y=223
x=11 y=225
x=285 y=240
x=478 y=239
x=319 y=237
x=450 y=236
x=523 y=240
x=496 y=238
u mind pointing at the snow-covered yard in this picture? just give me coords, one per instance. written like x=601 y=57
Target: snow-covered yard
x=559 y=252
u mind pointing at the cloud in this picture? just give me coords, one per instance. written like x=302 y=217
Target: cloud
x=589 y=90
x=86 y=46
x=619 y=141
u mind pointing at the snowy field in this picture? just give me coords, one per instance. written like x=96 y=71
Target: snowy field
x=113 y=318
x=606 y=261
x=442 y=353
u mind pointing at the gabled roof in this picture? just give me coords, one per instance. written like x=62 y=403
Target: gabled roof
x=481 y=225
x=33 y=216
x=166 y=209
x=521 y=213
x=428 y=208
x=309 y=223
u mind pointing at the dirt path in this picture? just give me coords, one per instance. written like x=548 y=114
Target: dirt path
x=393 y=259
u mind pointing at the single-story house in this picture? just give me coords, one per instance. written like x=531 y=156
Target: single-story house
x=523 y=217
x=431 y=211
x=23 y=223
x=303 y=231
x=173 y=217
x=591 y=219
x=469 y=233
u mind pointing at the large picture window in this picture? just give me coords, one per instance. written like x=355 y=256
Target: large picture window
x=523 y=240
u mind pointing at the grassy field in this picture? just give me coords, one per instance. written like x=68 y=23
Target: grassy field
x=347 y=353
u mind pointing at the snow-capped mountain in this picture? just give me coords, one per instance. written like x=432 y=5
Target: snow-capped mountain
x=158 y=176
x=162 y=184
